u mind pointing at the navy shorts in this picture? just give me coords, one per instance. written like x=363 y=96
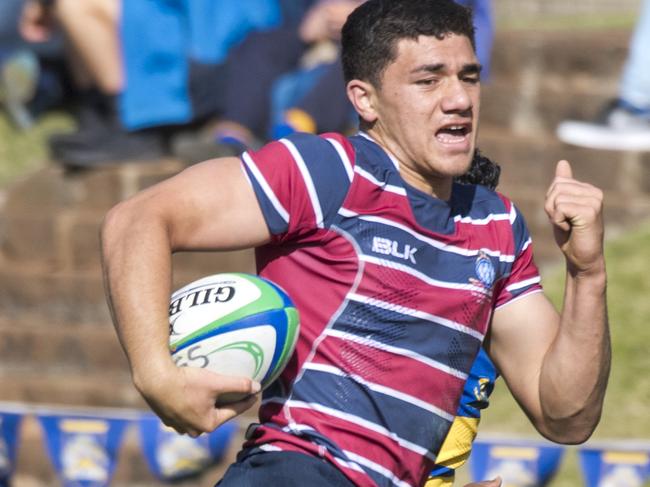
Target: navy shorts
x=282 y=468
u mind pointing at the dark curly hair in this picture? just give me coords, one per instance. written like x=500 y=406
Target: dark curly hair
x=483 y=171
x=372 y=31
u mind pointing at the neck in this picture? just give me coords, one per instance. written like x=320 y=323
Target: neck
x=411 y=172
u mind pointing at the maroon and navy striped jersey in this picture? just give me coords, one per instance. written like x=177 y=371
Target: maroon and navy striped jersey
x=395 y=290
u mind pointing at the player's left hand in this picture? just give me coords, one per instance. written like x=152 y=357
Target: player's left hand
x=576 y=211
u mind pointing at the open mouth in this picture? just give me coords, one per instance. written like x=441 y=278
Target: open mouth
x=454 y=133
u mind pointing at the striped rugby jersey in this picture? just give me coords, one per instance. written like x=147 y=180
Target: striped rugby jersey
x=395 y=291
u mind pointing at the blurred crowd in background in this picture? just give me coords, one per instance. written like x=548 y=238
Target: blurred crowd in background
x=197 y=79
x=192 y=79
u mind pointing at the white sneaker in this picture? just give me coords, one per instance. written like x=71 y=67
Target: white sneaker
x=618 y=129
x=18 y=80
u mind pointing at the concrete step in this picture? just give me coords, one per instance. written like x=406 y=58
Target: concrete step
x=536 y=108
x=69 y=349
x=68 y=239
x=60 y=238
x=541 y=78
x=593 y=54
x=91 y=389
x=57 y=296
x=52 y=218
x=52 y=188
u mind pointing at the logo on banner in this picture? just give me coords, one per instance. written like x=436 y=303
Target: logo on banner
x=519 y=463
x=181 y=455
x=516 y=466
x=615 y=468
x=83 y=450
x=172 y=456
x=83 y=453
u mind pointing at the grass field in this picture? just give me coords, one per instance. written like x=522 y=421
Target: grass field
x=21 y=152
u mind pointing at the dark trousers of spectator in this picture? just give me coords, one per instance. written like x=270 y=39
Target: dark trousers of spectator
x=252 y=68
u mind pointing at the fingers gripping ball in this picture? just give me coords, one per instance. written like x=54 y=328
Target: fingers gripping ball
x=233 y=324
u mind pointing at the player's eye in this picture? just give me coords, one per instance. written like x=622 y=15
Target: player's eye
x=473 y=79
x=425 y=81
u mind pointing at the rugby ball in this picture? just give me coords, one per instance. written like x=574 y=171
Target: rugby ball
x=233 y=324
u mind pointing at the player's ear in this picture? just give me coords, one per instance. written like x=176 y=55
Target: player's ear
x=362 y=95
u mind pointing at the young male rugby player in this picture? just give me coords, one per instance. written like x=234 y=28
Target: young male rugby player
x=399 y=274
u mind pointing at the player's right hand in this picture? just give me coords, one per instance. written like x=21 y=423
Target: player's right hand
x=185 y=398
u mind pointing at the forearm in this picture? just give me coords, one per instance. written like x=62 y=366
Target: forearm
x=209 y=206
x=136 y=257
x=575 y=369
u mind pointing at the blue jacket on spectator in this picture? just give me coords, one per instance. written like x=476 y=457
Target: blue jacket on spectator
x=166 y=41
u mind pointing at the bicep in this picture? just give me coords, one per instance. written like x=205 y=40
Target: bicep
x=520 y=336
x=209 y=206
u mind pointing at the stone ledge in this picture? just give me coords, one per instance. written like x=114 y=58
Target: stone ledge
x=52 y=188
x=597 y=54
x=66 y=349
x=90 y=389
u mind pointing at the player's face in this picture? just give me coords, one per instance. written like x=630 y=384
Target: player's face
x=427 y=110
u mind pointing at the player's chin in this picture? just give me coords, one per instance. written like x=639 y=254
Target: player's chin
x=456 y=165
x=456 y=158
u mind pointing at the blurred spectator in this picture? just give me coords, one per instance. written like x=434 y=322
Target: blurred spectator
x=254 y=67
x=484 y=24
x=33 y=75
x=312 y=100
x=624 y=124
x=144 y=67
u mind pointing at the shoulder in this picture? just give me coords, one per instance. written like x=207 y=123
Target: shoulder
x=489 y=212
x=305 y=151
x=479 y=202
x=303 y=179
x=310 y=149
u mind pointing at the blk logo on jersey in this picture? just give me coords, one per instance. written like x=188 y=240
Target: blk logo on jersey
x=387 y=246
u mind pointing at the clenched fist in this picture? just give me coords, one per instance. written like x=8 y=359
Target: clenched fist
x=576 y=212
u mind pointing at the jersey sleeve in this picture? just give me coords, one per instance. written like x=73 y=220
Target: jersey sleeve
x=458 y=443
x=300 y=183
x=524 y=276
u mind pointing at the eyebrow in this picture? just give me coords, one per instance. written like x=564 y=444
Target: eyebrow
x=469 y=68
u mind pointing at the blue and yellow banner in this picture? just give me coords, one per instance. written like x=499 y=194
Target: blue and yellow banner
x=613 y=465
x=9 y=424
x=172 y=456
x=519 y=463
x=83 y=449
